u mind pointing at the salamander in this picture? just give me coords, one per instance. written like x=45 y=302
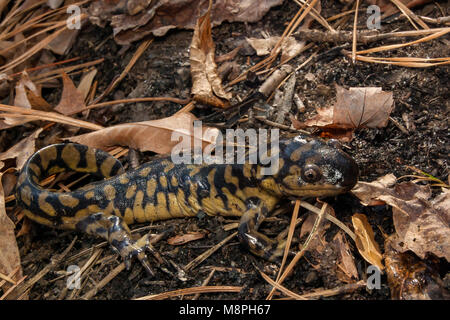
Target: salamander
x=162 y=189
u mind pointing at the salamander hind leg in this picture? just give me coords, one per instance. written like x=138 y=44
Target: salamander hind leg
x=116 y=232
x=256 y=242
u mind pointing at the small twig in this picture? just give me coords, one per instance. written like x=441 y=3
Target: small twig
x=208 y=252
x=303 y=249
x=186 y=291
x=354 y=40
x=140 y=50
x=280 y=126
x=205 y=283
x=104 y=281
x=362 y=36
x=399 y=125
x=329 y=217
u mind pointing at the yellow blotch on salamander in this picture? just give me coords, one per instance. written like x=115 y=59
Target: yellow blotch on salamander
x=174 y=181
x=68 y=200
x=37 y=218
x=128 y=216
x=25 y=195
x=151 y=187
x=130 y=191
x=46 y=156
x=89 y=194
x=161 y=206
x=145 y=172
x=45 y=206
x=139 y=214
x=35 y=168
x=91 y=160
x=110 y=192
x=71 y=156
x=107 y=166
x=163 y=181
x=174 y=208
x=123 y=179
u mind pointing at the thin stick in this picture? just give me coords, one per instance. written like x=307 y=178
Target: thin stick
x=205 y=282
x=208 y=252
x=104 y=281
x=140 y=50
x=355 y=22
x=302 y=250
x=180 y=292
x=289 y=237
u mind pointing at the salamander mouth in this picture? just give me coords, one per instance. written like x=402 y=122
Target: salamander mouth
x=317 y=191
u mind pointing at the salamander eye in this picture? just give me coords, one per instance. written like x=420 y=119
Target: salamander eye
x=311 y=173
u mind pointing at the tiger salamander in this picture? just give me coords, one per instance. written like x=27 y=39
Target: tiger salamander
x=161 y=189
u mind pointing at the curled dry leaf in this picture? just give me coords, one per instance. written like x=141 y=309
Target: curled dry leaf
x=347 y=261
x=62 y=43
x=367 y=107
x=185 y=238
x=22 y=150
x=72 y=99
x=367 y=192
x=158 y=17
x=421 y=223
x=206 y=83
x=410 y=278
x=365 y=241
x=86 y=82
x=152 y=135
x=289 y=47
x=28 y=96
x=9 y=252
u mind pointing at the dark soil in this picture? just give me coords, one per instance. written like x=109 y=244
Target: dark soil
x=421 y=96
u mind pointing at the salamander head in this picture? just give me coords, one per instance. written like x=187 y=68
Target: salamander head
x=312 y=167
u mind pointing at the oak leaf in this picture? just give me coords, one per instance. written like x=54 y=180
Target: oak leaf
x=152 y=135
x=72 y=99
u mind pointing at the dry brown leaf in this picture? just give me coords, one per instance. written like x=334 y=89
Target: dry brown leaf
x=159 y=17
x=289 y=47
x=368 y=192
x=422 y=224
x=22 y=150
x=410 y=278
x=365 y=241
x=9 y=252
x=152 y=135
x=62 y=44
x=347 y=261
x=367 y=107
x=72 y=99
x=206 y=83
x=185 y=238
x=9 y=180
x=86 y=82
x=28 y=96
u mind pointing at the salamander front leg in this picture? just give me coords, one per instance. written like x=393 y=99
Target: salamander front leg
x=256 y=242
x=116 y=232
